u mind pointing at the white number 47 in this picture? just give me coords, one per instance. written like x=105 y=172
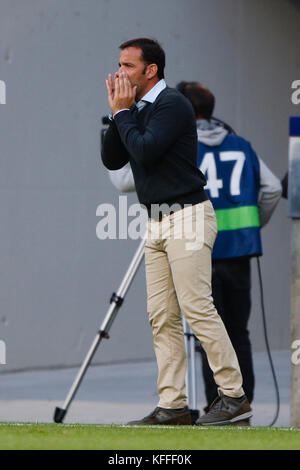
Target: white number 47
x=209 y=169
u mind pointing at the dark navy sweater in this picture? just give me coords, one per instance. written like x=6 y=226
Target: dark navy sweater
x=161 y=144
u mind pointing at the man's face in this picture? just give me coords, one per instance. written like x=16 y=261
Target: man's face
x=132 y=63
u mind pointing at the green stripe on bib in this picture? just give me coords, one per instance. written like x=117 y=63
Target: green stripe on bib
x=237 y=218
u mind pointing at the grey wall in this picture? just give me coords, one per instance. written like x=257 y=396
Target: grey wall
x=56 y=276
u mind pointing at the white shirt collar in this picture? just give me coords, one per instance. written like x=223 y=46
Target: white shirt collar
x=152 y=94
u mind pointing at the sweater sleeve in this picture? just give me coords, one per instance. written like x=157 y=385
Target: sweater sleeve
x=269 y=193
x=165 y=125
x=113 y=153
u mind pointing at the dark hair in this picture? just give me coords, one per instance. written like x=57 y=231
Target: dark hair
x=202 y=99
x=152 y=52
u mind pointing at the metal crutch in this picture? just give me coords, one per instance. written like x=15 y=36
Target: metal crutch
x=115 y=303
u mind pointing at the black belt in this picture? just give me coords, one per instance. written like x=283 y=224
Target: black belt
x=188 y=200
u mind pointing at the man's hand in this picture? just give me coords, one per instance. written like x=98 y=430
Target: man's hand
x=120 y=92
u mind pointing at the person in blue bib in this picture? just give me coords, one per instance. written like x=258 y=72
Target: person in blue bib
x=244 y=193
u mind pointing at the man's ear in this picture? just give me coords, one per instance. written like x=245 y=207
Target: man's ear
x=151 y=71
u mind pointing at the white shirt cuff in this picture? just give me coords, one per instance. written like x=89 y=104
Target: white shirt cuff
x=120 y=110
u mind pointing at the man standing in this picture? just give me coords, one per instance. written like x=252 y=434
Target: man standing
x=244 y=193
x=157 y=135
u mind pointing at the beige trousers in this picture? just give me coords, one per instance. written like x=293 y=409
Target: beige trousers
x=178 y=275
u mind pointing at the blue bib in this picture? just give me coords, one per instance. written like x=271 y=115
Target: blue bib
x=232 y=173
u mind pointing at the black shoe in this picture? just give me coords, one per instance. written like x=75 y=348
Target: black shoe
x=180 y=416
x=226 y=411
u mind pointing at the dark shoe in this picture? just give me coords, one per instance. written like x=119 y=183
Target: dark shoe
x=166 y=416
x=226 y=411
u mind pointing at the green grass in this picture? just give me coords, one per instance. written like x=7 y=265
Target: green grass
x=30 y=436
